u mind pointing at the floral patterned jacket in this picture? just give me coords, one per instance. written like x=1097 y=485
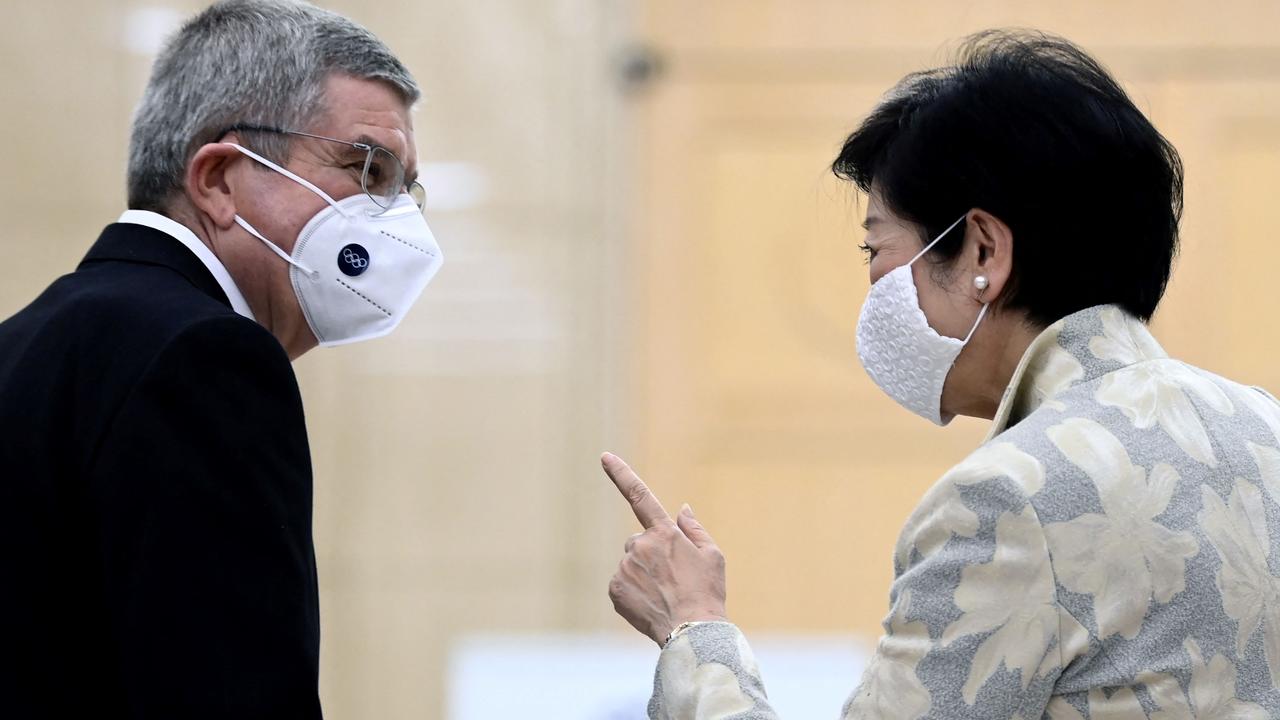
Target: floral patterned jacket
x=1111 y=551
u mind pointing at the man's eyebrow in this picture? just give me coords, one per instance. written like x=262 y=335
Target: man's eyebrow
x=349 y=145
x=366 y=140
x=871 y=220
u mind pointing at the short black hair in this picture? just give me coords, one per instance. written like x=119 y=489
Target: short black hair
x=1030 y=128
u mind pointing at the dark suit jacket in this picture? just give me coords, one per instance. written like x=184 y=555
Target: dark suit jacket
x=155 y=499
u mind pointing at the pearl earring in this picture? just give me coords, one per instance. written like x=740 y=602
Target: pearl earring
x=980 y=282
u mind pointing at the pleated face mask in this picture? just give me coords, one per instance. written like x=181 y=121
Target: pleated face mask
x=898 y=348
x=357 y=268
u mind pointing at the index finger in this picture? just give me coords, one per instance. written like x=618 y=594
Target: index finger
x=643 y=502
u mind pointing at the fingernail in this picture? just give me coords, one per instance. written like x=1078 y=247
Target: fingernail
x=686 y=510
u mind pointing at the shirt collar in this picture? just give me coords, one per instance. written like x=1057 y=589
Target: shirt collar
x=1077 y=349
x=183 y=234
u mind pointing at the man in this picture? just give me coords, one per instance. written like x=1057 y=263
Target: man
x=156 y=558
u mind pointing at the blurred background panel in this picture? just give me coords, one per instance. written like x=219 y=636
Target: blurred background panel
x=647 y=254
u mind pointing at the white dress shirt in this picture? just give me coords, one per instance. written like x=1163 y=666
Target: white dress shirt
x=183 y=234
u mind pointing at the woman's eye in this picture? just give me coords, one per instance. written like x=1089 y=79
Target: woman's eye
x=866 y=250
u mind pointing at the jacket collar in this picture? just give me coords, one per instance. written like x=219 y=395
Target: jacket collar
x=127 y=242
x=1075 y=350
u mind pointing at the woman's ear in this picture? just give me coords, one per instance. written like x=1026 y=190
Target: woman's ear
x=207 y=182
x=989 y=248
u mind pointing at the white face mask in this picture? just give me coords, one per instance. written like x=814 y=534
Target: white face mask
x=901 y=352
x=356 y=269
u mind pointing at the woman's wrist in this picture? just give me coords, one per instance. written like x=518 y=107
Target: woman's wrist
x=680 y=630
x=685 y=626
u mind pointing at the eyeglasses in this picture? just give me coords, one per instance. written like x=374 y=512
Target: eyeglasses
x=382 y=178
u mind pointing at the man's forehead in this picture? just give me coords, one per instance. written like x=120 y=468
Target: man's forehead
x=370 y=112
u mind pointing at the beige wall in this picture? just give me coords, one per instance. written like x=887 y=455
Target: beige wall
x=670 y=274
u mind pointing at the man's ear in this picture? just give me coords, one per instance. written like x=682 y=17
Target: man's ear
x=989 y=249
x=207 y=182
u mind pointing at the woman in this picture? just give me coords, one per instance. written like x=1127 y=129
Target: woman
x=1113 y=548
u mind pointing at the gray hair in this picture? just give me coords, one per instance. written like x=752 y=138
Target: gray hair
x=255 y=62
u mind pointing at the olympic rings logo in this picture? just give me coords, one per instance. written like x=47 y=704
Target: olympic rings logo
x=353 y=260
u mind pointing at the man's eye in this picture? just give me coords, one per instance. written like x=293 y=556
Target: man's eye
x=866 y=250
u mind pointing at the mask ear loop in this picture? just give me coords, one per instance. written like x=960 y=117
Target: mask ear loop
x=981 y=313
x=941 y=235
x=313 y=274
x=298 y=179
